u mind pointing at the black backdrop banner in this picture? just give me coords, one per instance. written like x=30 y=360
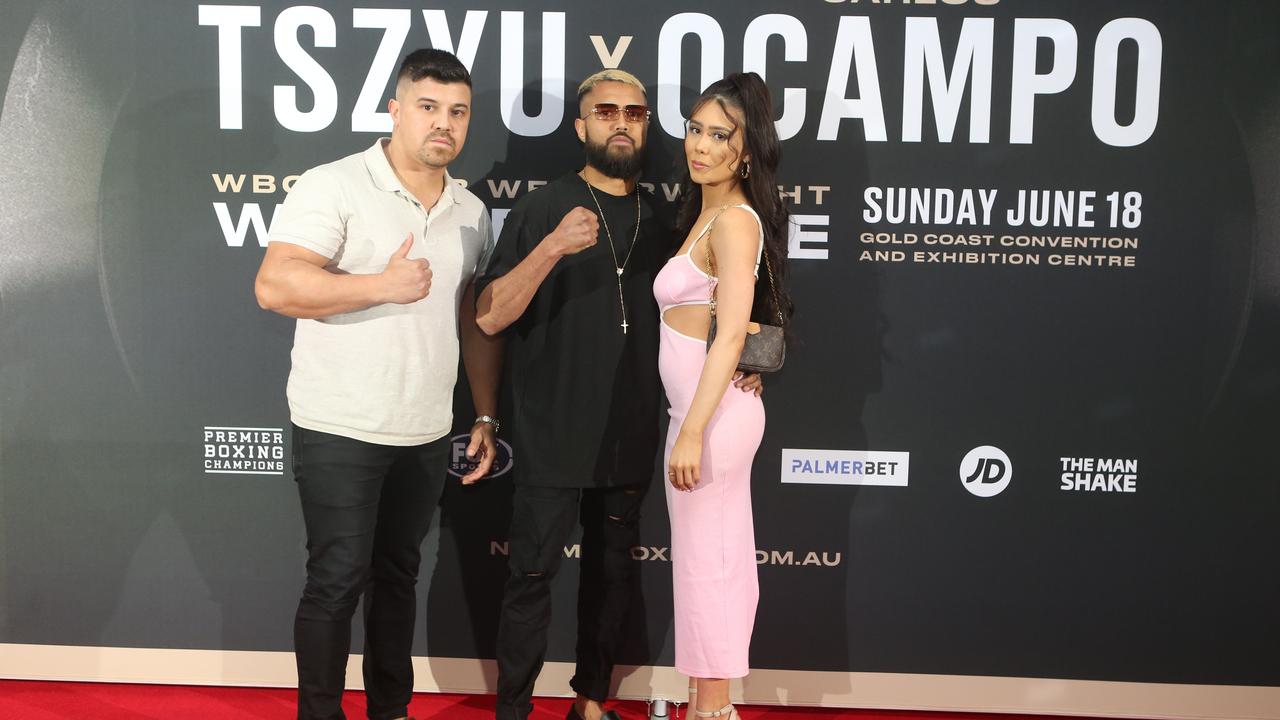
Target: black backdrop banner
x=1027 y=429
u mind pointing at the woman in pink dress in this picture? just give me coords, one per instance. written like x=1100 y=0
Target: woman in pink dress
x=733 y=221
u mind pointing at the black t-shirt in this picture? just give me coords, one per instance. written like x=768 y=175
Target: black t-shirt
x=586 y=395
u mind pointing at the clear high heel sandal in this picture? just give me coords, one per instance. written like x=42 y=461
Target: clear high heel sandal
x=728 y=712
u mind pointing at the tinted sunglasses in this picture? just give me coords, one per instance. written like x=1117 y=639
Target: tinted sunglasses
x=609 y=111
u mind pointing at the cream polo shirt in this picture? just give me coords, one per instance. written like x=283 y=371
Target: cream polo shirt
x=384 y=374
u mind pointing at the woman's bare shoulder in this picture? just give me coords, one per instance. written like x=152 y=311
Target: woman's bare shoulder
x=737 y=227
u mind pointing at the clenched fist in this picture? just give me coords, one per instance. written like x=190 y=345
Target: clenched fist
x=575 y=233
x=406 y=280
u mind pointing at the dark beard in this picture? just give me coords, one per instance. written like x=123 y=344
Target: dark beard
x=620 y=166
x=434 y=156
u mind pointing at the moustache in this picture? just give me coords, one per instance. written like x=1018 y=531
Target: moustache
x=622 y=134
x=441 y=136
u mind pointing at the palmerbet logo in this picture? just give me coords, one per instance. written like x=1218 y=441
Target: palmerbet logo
x=986 y=471
x=845 y=467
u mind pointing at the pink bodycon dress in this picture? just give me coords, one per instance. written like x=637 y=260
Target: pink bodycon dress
x=713 y=549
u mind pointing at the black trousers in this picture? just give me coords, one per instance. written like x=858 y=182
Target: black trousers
x=367 y=508
x=542 y=519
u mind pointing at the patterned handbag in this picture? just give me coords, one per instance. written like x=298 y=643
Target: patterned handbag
x=765 y=347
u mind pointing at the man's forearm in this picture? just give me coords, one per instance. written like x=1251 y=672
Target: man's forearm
x=482 y=360
x=299 y=289
x=506 y=298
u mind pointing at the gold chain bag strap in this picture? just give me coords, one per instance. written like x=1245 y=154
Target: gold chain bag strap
x=765 y=348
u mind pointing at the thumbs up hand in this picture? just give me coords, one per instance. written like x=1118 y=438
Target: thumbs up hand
x=406 y=280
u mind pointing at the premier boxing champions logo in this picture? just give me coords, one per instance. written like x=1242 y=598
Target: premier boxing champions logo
x=243 y=450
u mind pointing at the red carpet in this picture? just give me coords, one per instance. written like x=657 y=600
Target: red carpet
x=27 y=700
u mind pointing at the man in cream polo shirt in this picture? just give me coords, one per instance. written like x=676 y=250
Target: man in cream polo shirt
x=374 y=254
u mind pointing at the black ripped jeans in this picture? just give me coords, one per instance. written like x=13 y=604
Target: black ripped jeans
x=542 y=519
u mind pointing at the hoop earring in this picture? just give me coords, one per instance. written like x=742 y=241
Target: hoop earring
x=745 y=171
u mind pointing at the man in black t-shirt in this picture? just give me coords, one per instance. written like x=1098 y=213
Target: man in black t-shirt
x=570 y=285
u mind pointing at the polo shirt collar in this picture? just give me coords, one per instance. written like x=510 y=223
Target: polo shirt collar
x=384 y=178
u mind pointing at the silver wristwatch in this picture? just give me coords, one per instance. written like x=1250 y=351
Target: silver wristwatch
x=488 y=419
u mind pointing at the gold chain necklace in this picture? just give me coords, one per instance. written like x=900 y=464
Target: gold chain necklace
x=609 y=235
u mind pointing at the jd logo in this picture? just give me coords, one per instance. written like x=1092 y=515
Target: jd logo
x=986 y=471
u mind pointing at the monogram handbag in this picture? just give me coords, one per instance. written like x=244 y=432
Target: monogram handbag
x=765 y=348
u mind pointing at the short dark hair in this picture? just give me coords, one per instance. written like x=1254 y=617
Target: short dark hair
x=438 y=65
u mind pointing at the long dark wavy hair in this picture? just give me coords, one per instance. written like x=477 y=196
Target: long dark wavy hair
x=745 y=96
